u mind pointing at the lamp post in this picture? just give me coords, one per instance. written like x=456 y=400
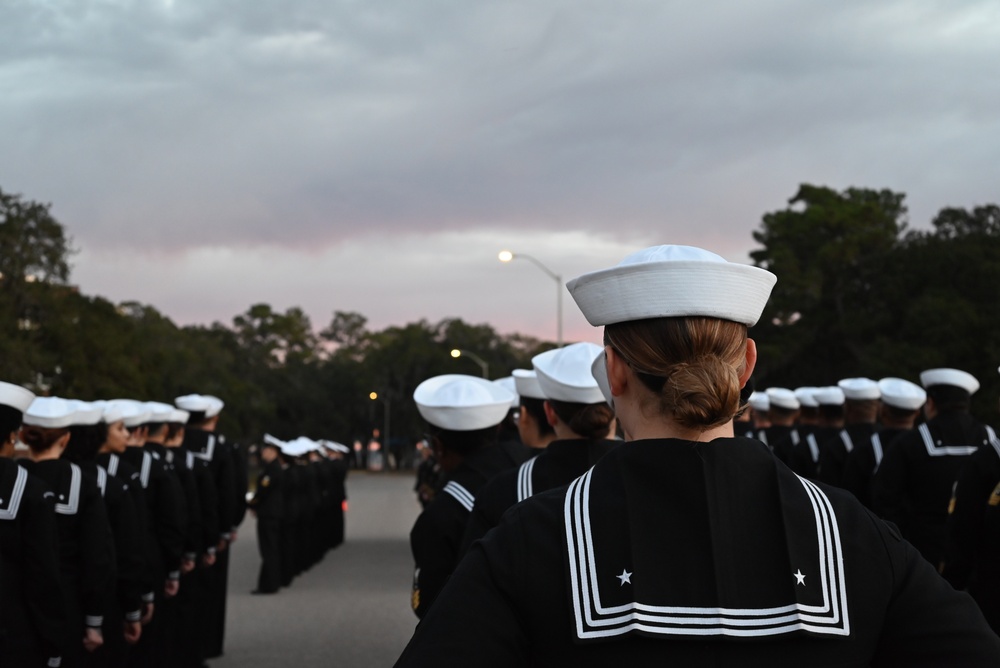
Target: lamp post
x=457 y=352
x=374 y=396
x=507 y=256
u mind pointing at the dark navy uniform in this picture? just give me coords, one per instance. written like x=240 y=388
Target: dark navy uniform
x=782 y=440
x=807 y=454
x=670 y=552
x=436 y=537
x=86 y=550
x=834 y=453
x=557 y=465
x=33 y=623
x=268 y=503
x=972 y=559
x=863 y=462
x=913 y=485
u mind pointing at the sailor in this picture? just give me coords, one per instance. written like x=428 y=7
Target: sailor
x=201 y=439
x=584 y=426
x=110 y=459
x=463 y=413
x=806 y=455
x=164 y=535
x=861 y=404
x=901 y=404
x=86 y=548
x=267 y=504
x=914 y=483
x=121 y=628
x=685 y=545
x=32 y=614
x=972 y=559
x=533 y=426
x=337 y=467
x=783 y=410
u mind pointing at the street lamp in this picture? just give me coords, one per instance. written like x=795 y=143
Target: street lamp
x=456 y=353
x=374 y=396
x=507 y=256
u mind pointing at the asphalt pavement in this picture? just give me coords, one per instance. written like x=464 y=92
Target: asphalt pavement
x=350 y=610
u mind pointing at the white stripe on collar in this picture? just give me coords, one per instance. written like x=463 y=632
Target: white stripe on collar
x=113 y=464
x=16 y=492
x=462 y=495
x=209 y=449
x=525 y=489
x=935 y=450
x=147 y=463
x=596 y=621
x=102 y=480
x=877 y=448
x=813 y=447
x=846 y=438
x=73 y=502
x=994 y=441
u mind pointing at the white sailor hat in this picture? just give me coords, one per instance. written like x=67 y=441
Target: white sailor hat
x=335 y=446
x=49 y=413
x=178 y=416
x=461 y=403
x=759 y=401
x=85 y=413
x=669 y=281
x=902 y=394
x=15 y=396
x=275 y=442
x=782 y=397
x=806 y=397
x=110 y=413
x=859 y=389
x=953 y=377
x=564 y=373
x=526 y=382
x=133 y=413
x=507 y=383
x=159 y=411
x=829 y=396
x=215 y=406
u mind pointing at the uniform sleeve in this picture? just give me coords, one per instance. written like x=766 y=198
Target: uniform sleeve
x=225 y=482
x=242 y=483
x=98 y=555
x=168 y=521
x=965 y=515
x=927 y=622
x=832 y=457
x=857 y=474
x=194 y=523
x=474 y=621
x=433 y=562
x=129 y=557
x=208 y=497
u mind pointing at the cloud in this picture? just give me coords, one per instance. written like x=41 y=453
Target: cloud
x=391 y=279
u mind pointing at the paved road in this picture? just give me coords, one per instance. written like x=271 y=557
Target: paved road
x=350 y=610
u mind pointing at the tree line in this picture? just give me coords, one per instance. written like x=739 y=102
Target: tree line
x=858 y=293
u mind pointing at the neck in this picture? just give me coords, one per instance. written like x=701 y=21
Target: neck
x=670 y=429
x=45 y=455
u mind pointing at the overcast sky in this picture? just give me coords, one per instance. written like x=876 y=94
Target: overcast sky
x=375 y=156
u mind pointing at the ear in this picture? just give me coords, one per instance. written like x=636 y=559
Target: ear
x=618 y=371
x=62 y=442
x=550 y=414
x=751 y=362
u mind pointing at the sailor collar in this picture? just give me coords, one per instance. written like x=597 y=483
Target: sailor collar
x=12 y=484
x=615 y=591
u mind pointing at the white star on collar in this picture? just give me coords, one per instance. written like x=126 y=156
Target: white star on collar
x=800 y=579
x=625 y=577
